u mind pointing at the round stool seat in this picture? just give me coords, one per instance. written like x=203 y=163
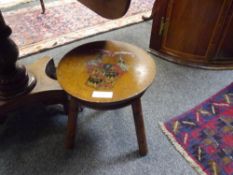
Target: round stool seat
x=106 y=72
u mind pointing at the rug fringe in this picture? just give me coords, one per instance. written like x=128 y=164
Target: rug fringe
x=180 y=149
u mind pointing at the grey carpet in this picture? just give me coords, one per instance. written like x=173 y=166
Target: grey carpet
x=31 y=141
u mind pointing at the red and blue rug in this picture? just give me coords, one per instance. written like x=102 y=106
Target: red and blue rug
x=204 y=135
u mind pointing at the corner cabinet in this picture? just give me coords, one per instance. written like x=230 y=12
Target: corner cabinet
x=194 y=32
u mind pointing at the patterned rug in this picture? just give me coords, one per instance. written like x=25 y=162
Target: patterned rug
x=10 y=3
x=204 y=135
x=65 y=21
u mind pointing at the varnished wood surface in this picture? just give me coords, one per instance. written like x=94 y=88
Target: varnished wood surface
x=225 y=50
x=181 y=37
x=14 y=79
x=46 y=91
x=72 y=72
x=110 y=9
x=203 y=64
x=159 y=13
x=195 y=32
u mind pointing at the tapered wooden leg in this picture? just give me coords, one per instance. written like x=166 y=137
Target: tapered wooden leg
x=139 y=125
x=42 y=6
x=71 y=125
x=145 y=18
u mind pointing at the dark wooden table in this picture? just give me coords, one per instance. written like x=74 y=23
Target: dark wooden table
x=110 y=9
x=42 y=6
x=46 y=90
x=106 y=75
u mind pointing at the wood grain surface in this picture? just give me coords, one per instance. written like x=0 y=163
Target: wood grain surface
x=195 y=32
x=110 y=9
x=72 y=71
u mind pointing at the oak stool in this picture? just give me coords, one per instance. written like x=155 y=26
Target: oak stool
x=106 y=75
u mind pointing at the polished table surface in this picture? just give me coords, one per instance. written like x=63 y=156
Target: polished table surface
x=106 y=72
x=111 y=9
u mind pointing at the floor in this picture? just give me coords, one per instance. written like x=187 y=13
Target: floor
x=31 y=141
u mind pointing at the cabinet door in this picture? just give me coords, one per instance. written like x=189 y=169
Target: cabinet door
x=159 y=13
x=191 y=26
x=225 y=50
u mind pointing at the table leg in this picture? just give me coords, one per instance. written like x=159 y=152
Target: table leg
x=42 y=6
x=2 y=119
x=66 y=105
x=145 y=18
x=139 y=125
x=72 y=123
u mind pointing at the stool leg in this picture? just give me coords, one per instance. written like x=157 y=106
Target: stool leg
x=139 y=126
x=71 y=125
